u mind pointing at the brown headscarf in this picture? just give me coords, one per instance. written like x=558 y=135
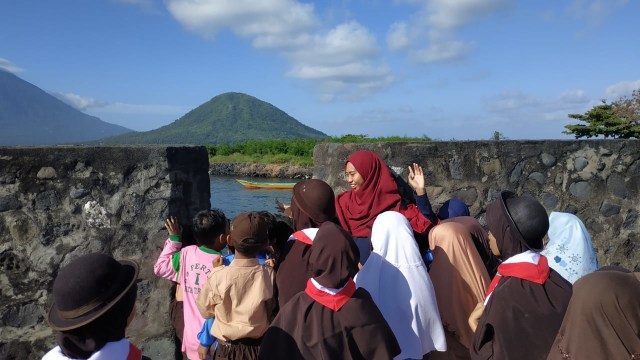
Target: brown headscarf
x=306 y=329
x=334 y=257
x=603 y=319
x=312 y=204
x=500 y=226
x=480 y=240
x=459 y=277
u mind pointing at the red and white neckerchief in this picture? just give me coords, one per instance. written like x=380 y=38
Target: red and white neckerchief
x=529 y=265
x=334 y=299
x=305 y=235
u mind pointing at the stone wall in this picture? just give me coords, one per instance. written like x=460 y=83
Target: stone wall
x=57 y=203
x=598 y=180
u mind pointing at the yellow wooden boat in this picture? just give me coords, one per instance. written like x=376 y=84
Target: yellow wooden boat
x=266 y=185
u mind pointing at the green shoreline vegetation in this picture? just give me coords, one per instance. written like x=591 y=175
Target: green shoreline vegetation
x=294 y=152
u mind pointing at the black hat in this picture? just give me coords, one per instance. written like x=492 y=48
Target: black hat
x=88 y=287
x=528 y=218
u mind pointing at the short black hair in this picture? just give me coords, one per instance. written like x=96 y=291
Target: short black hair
x=207 y=225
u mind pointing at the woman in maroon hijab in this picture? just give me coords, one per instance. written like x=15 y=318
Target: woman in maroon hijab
x=374 y=191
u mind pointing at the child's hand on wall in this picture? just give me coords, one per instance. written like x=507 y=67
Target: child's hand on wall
x=173 y=227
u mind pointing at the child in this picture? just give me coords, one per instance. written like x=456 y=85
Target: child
x=190 y=266
x=240 y=296
x=93 y=302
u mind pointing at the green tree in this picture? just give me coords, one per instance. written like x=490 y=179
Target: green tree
x=604 y=120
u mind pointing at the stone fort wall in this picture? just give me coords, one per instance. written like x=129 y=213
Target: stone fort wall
x=60 y=202
x=598 y=180
x=57 y=203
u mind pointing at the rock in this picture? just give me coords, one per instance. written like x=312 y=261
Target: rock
x=46 y=173
x=78 y=193
x=95 y=215
x=580 y=163
x=455 y=168
x=609 y=209
x=630 y=220
x=517 y=172
x=558 y=179
x=571 y=209
x=616 y=185
x=547 y=159
x=22 y=315
x=9 y=202
x=468 y=196
x=491 y=167
x=47 y=200
x=537 y=177
x=549 y=200
x=581 y=190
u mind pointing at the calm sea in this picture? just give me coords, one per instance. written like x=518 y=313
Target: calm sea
x=228 y=195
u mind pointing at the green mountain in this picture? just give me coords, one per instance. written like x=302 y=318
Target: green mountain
x=30 y=116
x=225 y=119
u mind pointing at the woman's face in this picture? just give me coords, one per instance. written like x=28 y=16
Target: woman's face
x=353 y=177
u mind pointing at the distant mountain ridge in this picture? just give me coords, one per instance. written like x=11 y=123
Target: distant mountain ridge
x=227 y=118
x=31 y=116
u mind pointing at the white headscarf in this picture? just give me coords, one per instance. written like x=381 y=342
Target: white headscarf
x=399 y=284
x=569 y=251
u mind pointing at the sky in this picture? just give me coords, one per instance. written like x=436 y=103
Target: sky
x=447 y=69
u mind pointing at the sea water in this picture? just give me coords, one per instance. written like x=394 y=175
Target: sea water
x=228 y=195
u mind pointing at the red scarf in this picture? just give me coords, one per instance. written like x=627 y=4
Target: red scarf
x=305 y=236
x=332 y=301
x=134 y=353
x=525 y=266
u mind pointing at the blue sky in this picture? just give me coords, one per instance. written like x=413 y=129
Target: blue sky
x=449 y=69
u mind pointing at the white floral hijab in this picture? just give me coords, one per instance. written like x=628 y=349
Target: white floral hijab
x=569 y=251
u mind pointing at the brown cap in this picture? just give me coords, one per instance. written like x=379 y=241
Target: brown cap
x=249 y=232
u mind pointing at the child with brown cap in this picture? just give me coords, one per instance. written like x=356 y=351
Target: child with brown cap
x=240 y=296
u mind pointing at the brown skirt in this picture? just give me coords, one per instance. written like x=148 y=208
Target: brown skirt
x=241 y=349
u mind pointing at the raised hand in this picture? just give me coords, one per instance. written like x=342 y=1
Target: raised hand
x=173 y=227
x=416 y=179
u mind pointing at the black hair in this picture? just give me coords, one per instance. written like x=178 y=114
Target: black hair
x=207 y=225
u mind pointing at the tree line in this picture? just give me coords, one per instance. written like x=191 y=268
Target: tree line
x=298 y=151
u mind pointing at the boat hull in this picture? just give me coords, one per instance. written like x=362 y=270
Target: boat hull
x=266 y=185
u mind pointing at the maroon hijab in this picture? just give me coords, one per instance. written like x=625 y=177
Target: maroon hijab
x=357 y=210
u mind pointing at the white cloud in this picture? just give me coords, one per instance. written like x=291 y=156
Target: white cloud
x=510 y=100
x=343 y=61
x=398 y=37
x=594 y=12
x=430 y=35
x=124 y=108
x=79 y=102
x=246 y=18
x=623 y=88
x=9 y=66
x=574 y=97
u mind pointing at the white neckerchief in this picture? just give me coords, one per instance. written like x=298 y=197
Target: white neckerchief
x=115 y=350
